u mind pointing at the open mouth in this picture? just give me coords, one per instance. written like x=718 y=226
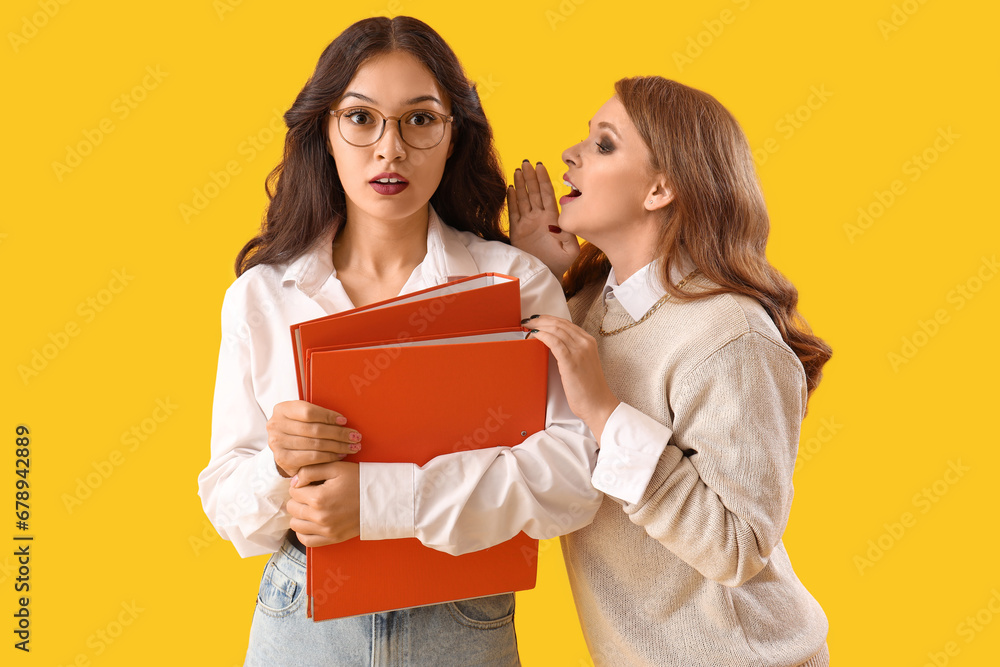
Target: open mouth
x=571 y=195
x=388 y=184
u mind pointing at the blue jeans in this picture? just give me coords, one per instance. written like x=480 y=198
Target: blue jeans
x=467 y=633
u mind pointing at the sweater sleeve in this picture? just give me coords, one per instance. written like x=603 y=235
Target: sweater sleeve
x=720 y=494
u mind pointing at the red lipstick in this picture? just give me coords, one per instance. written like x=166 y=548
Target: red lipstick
x=388 y=183
x=573 y=192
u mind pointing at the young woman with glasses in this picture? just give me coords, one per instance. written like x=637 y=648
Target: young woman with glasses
x=688 y=358
x=389 y=184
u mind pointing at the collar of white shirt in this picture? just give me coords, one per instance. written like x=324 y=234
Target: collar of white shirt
x=642 y=289
x=447 y=258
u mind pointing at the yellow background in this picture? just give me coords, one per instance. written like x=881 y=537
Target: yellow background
x=892 y=79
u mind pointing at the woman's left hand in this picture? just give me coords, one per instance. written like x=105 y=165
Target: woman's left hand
x=328 y=511
x=575 y=350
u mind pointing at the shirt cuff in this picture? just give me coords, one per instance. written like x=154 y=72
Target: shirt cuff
x=268 y=482
x=386 y=500
x=631 y=445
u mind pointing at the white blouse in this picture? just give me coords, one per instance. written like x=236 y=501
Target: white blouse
x=542 y=486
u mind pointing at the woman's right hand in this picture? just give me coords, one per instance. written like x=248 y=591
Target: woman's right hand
x=534 y=220
x=301 y=434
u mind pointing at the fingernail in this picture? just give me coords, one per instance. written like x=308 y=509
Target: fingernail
x=533 y=331
x=356 y=437
x=525 y=320
x=355 y=448
x=532 y=317
x=295 y=480
x=554 y=229
x=341 y=421
x=538 y=164
x=525 y=160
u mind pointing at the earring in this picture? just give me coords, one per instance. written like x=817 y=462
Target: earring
x=650 y=201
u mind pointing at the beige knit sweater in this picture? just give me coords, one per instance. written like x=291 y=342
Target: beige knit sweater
x=695 y=573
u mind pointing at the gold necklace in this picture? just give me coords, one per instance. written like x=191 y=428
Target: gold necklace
x=649 y=312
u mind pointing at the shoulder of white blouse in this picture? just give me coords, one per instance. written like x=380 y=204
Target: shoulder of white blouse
x=261 y=281
x=498 y=257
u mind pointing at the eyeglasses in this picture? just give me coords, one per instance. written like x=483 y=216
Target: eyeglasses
x=360 y=126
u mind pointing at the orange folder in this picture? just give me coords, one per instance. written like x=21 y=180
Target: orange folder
x=414 y=398
x=484 y=301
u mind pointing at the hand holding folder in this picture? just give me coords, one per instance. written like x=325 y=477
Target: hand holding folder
x=301 y=434
x=423 y=375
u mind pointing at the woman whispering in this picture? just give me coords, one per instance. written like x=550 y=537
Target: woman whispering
x=688 y=360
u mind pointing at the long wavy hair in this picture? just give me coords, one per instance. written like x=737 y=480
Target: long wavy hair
x=305 y=196
x=717 y=215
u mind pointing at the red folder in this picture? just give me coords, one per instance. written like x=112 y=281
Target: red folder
x=484 y=301
x=466 y=386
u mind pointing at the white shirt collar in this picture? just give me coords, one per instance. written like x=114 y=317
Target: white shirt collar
x=447 y=255
x=643 y=289
x=447 y=258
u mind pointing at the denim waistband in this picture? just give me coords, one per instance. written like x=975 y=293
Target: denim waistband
x=293 y=539
x=292 y=552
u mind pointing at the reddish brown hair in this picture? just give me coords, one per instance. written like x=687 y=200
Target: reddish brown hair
x=717 y=216
x=306 y=198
